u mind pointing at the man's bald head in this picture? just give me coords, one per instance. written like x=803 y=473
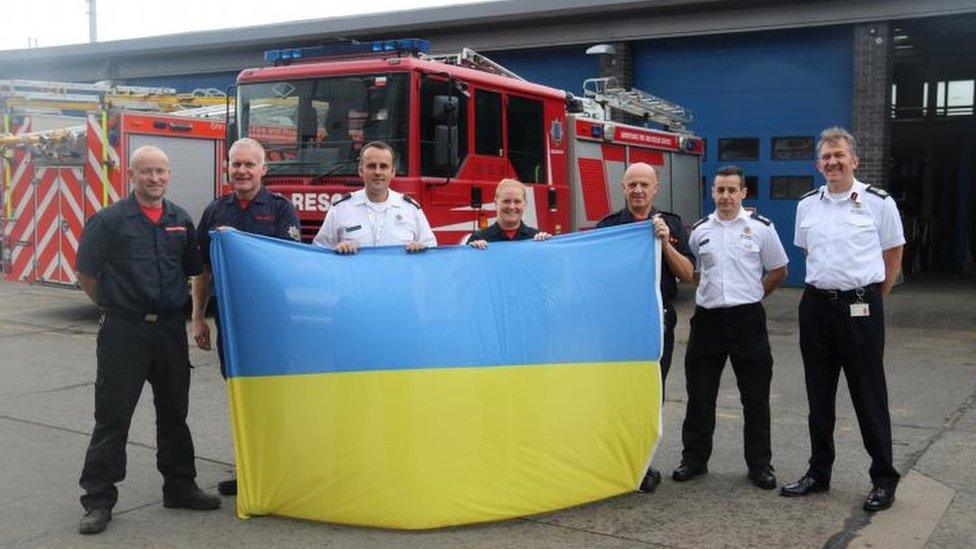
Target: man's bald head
x=640 y=185
x=640 y=169
x=149 y=174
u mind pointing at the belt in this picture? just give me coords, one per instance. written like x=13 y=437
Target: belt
x=726 y=310
x=845 y=294
x=145 y=317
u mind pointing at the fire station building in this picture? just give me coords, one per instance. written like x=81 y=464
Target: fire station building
x=761 y=79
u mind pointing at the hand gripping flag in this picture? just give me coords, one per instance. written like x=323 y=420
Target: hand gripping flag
x=448 y=387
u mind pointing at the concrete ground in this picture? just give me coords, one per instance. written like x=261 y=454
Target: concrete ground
x=47 y=367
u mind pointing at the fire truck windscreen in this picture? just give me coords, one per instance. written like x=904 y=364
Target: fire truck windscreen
x=317 y=126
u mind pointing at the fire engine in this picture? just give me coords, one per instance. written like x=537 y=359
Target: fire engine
x=64 y=148
x=458 y=123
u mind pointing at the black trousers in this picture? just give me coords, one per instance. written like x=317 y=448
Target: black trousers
x=831 y=340
x=131 y=352
x=667 y=347
x=739 y=334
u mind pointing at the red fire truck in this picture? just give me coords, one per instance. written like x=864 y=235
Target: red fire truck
x=459 y=124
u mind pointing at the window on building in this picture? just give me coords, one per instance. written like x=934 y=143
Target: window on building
x=443 y=127
x=789 y=186
x=792 y=148
x=526 y=139
x=488 y=123
x=954 y=98
x=752 y=186
x=738 y=148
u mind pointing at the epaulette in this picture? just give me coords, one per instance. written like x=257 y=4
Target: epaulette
x=667 y=214
x=342 y=198
x=808 y=194
x=279 y=196
x=761 y=219
x=608 y=216
x=408 y=199
x=699 y=222
x=876 y=191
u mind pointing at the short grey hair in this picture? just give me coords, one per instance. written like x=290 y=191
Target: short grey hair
x=834 y=134
x=247 y=142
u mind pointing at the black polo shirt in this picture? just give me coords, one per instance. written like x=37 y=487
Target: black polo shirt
x=669 y=284
x=495 y=233
x=268 y=214
x=140 y=267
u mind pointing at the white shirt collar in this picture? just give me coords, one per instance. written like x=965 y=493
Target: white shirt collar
x=743 y=214
x=855 y=194
x=394 y=200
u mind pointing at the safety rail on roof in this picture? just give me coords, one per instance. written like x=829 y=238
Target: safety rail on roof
x=473 y=60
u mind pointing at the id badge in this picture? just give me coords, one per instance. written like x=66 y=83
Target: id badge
x=860 y=309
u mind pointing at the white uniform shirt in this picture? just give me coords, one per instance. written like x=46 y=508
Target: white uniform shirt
x=393 y=222
x=731 y=256
x=844 y=237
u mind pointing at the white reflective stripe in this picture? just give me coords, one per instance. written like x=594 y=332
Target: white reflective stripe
x=17 y=250
x=67 y=268
x=530 y=216
x=27 y=268
x=49 y=269
x=69 y=197
x=46 y=239
x=96 y=164
x=70 y=236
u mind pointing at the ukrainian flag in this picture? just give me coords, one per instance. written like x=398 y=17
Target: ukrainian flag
x=448 y=387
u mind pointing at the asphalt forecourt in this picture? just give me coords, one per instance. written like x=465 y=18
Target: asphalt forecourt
x=47 y=340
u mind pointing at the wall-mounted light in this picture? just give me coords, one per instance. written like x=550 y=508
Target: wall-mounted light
x=601 y=49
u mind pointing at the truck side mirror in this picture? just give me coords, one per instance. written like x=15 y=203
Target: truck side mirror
x=445 y=146
x=230 y=118
x=476 y=201
x=445 y=109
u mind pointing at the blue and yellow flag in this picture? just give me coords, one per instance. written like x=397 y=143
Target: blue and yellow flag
x=448 y=387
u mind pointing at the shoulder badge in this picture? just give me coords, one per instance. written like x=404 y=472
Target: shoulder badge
x=761 y=219
x=808 y=194
x=409 y=199
x=699 y=222
x=876 y=191
x=337 y=198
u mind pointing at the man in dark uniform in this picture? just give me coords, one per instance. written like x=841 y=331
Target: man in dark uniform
x=853 y=237
x=252 y=209
x=510 y=207
x=134 y=259
x=640 y=186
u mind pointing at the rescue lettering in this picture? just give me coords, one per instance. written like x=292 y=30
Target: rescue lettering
x=311 y=202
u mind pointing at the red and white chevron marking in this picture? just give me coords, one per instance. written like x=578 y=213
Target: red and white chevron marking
x=59 y=221
x=93 y=169
x=18 y=231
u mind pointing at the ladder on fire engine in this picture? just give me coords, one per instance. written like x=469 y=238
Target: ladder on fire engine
x=611 y=96
x=473 y=60
x=52 y=95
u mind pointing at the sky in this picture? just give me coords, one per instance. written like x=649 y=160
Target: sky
x=60 y=22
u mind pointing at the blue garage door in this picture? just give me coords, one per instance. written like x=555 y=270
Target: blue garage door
x=759 y=100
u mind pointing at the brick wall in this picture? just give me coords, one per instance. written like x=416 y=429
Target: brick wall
x=872 y=86
x=620 y=65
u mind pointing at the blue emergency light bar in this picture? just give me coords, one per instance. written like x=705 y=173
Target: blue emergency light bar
x=401 y=45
